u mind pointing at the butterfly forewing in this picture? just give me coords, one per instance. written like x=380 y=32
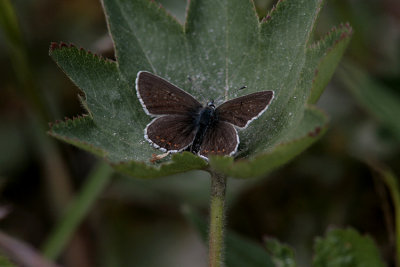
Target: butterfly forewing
x=220 y=139
x=172 y=132
x=242 y=110
x=160 y=97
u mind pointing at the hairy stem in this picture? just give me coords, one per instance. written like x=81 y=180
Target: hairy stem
x=217 y=213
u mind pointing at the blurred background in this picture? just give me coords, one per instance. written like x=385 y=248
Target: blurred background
x=338 y=182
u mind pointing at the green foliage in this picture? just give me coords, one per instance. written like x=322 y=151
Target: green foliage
x=373 y=96
x=303 y=136
x=326 y=54
x=342 y=248
x=392 y=183
x=239 y=251
x=282 y=255
x=73 y=216
x=4 y=262
x=221 y=47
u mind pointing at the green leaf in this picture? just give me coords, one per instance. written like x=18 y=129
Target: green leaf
x=221 y=47
x=282 y=255
x=342 y=248
x=239 y=251
x=373 y=96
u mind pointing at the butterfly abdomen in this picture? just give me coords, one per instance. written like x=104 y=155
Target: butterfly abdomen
x=205 y=119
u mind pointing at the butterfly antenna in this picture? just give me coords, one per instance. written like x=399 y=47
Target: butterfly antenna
x=219 y=100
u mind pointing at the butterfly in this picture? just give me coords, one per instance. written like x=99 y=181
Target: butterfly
x=182 y=123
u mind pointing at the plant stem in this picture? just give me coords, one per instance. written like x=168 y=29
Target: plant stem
x=94 y=185
x=217 y=213
x=393 y=185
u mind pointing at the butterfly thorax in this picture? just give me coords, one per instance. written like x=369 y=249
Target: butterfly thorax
x=203 y=121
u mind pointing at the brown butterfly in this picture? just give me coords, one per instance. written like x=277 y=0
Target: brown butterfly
x=182 y=123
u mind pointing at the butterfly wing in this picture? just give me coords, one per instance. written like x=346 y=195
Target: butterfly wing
x=171 y=133
x=220 y=139
x=243 y=110
x=160 y=97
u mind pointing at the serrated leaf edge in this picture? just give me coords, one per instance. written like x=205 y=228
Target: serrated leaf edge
x=54 y=46
x=68 y=121
x=345 y=27
x=278 y=5
x=347 y=32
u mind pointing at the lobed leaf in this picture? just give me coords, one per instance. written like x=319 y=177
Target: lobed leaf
x=221 y=47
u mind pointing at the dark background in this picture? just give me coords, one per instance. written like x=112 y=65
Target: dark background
x=139 y=223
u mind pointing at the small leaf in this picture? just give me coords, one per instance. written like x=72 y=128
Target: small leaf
x=239 y=251
x=221 y=47
x=342 y=248
x=282 y=255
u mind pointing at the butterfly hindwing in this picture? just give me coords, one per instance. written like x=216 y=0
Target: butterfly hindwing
x=242 y=110
x=160 y=97
x=171 y=132
x=220 y=139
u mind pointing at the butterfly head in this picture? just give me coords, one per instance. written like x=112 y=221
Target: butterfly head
x=210 y=104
